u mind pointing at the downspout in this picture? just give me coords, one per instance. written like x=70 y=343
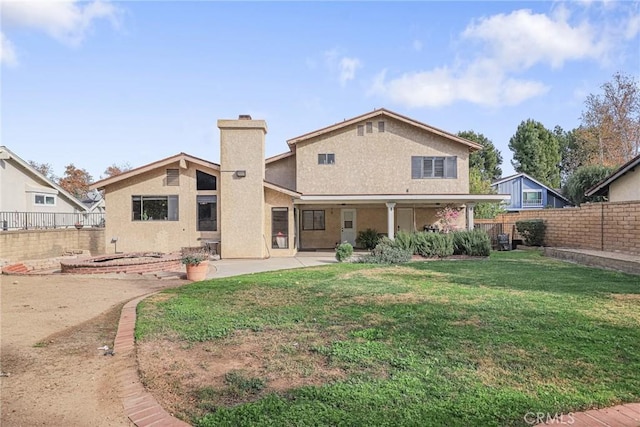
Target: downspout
x=602 y=226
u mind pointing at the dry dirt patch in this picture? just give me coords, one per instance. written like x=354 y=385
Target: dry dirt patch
x=51 y=328
x=177 y=370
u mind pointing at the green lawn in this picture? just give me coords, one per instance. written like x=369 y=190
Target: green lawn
x=447 y=343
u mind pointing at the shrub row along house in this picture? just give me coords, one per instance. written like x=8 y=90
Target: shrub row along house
x=380 y=170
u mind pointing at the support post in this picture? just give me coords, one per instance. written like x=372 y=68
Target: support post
x=470 y=207
x=390 y=220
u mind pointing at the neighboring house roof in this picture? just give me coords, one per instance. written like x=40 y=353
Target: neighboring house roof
x=6 y=154
x=180 y=157
x=602 y=187
x=549 y=189
x=384 y=112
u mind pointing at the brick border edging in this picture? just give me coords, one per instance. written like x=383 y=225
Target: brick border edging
x=139 y=405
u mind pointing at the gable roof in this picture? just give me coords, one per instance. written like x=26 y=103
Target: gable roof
x=512 y=177
x=279 y=157
x=603 y=186
x=280 y=189
x=6 y=154
x=180 y=157
x=384 y=112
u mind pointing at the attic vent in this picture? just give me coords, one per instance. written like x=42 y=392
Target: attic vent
x=244 y=117
x=173 y=177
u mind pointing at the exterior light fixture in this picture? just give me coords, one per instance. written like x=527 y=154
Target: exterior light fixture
x=241 y=173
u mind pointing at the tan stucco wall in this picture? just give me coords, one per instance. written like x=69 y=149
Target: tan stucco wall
x=242 y=198
x=161 y=236
x=626 y=188
x=321 y=239
x=367 y=216
x=282 y=172
x=377 y=163
x=275 y=199
x=18 y=188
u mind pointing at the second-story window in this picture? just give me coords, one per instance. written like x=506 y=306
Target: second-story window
x=369 y=127
x=434 y=167
x=326 y=159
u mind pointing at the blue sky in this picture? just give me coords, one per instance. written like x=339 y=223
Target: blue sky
x=97 y=83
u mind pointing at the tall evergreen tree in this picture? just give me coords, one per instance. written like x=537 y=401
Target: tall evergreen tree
x=484 y=167
x=536 y=152
x=488 y=160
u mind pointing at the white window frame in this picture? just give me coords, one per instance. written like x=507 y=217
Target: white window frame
x=44 y=199
x=527 y=204
x=326 y=158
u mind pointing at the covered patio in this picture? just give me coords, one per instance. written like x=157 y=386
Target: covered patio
x=323 y=221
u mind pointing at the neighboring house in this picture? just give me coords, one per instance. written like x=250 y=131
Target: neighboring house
x=528 y=193
x=25 y=193
x=622 y=185
x=380 y=170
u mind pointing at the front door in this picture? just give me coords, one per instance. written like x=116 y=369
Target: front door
x=405 y=219
x=348 y=226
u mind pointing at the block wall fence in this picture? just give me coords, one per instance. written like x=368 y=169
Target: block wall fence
x=613 y=227
x=18 y=245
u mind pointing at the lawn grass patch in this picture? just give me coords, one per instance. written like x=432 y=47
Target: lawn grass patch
x=428 y=343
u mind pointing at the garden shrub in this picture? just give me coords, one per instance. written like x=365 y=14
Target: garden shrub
x=471 y=242
x=368 y=238
x=405 y=240
x=344 y=251
x=433 y=244
x=532 y=231
x=387 y=251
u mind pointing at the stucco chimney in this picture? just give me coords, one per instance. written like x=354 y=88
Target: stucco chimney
x=242 y=144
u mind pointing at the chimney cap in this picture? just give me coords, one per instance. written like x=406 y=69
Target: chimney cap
x=244 y=117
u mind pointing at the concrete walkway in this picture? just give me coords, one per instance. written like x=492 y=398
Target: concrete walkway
x=144 y=411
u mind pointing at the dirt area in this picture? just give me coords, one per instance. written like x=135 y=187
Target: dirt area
x=51 y=328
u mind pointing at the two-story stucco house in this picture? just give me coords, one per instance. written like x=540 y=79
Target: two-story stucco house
x=380 y=170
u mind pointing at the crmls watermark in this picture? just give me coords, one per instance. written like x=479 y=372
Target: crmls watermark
x=556 y=418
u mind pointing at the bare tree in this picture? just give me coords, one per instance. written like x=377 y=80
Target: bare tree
x=114 y=169
x=76 y=181
x=611 y=120
x=45 y=169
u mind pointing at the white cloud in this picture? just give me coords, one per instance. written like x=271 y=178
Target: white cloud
x=442 y=87
x=522 y=39
x=67 y=21
x=7 y=51
x=498 y=49
x=345 y=67
x=348 y=67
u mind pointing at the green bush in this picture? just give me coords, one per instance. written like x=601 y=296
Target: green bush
x=404 y=240
x=387 y=252
x=471 y=242
x=433 y=244
x=532 y=231
x=368 y=239
x=344 y=251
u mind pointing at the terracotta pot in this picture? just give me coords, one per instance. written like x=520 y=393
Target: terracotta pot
x=198 y=272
